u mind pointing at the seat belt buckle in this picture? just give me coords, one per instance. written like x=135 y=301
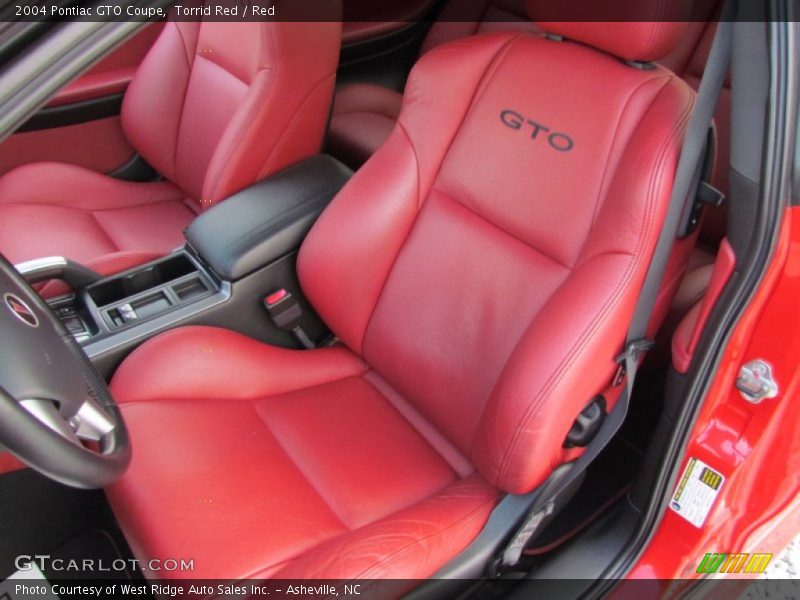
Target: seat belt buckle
x=633 y=352
x=286 y=312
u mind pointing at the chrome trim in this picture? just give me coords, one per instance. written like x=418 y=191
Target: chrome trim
x=756 y=382
x=30 y=267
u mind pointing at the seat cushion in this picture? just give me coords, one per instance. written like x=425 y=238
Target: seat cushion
x=49 y=209
x=359 y=489
x=363 y=117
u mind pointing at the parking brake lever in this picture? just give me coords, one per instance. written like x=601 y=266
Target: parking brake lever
x=75 y=275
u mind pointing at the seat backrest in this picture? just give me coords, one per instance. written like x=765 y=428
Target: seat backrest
x=486 y=261
x=462 y=18
x=216 y=106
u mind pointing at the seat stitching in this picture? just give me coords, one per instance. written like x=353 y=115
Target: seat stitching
x=558 y=374
x=297 y=466
x=245 y=127
x=190 y=55
x=104 y=231
x=502 y=230
x=490 y=69
x=414 y=426
x=284 y=562
x=285 y=135
x=417 y=541
x=598 y=204
x=535 y=406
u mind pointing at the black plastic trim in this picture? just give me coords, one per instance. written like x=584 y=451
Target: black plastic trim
x=268 y=220
x=74 y=114
x=136 y=169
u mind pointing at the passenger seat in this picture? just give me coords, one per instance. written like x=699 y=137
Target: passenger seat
x=213 y=108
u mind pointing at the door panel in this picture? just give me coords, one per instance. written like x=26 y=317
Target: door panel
x=81 y=125
x=99 y=145
x=366 y=19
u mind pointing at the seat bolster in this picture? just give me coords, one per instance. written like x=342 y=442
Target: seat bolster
x=412 y=543
x=60 y=184
x=195 y=363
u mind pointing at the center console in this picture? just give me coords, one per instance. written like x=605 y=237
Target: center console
x=238 y=254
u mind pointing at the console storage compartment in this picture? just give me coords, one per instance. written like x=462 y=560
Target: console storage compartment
x=148 y=291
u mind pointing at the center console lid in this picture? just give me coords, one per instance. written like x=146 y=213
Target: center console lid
x=268 y=220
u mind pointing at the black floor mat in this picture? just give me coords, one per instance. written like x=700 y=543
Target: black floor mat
x=607 y=479
x=40 y=516
x=612 y=473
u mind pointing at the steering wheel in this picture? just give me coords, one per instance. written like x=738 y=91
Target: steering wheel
x=56 y=412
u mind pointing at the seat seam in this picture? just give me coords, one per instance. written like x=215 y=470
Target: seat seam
x=228 y=71
x=648 y=224
x=297 y=466
x=417 y=541
x=417 y=430
x=601 y=197
x=527 y=244
x=272 y=68
x=104 y=231
x=491 y=66
x=256 y=398
x=284 y=562
x=285 y=134
x=190 y=58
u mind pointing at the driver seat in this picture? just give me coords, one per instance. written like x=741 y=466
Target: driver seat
x=480 y=271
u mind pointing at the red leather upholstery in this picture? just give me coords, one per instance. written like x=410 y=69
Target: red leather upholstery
x=53 y=209
x=214 y=107
x=98 y=145
x=364 y=114
x=359 y=491
x=481 y=279
x=645 y=30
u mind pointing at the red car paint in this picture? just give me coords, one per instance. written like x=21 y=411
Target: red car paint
x=756 y=447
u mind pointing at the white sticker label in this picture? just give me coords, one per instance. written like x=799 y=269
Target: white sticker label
x=696 y=492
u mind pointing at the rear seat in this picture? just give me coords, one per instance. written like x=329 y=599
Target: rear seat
x=365 y=114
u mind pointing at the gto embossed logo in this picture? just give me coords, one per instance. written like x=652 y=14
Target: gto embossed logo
x=21 y=310
x=556 y=139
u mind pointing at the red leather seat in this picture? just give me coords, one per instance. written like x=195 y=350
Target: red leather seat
x=364 y=114
x=480 y=272
x=214 y=107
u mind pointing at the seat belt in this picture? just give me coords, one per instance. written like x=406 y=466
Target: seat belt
x=684 y=191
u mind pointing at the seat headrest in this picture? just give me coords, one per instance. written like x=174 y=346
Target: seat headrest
x=635 y=30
